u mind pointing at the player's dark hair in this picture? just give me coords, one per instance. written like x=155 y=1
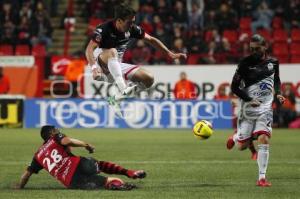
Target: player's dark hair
x=259 y=39
x=124 y=11
x=46 y=131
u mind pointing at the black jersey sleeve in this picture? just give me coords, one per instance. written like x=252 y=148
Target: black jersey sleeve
x=34 y=166
x=235 y=85
x=98 y=34
x=137 y=32
x=277 y=82
x=58 y=137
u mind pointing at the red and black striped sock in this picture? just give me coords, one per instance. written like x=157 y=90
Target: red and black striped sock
x=111 y=168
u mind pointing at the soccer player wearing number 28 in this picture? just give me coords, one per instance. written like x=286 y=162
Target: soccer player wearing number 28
x=254 y=82
x=74 y=171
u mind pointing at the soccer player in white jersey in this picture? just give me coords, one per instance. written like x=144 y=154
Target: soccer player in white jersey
x=256 y=82
x=107 y=46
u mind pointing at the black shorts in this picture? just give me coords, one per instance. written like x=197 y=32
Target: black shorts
x=85 y=176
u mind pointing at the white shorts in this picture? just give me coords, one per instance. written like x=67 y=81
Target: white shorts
x=128 y=70
x=252 y=128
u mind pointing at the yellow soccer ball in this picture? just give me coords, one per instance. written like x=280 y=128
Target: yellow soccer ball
x=203 y=130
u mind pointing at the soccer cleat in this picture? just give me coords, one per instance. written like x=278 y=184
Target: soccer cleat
x=128 y=186
x=263 y=183
x=117 y=185
x=116 y=105
x=130 y=90
x=136 y=174
x=123 y=187
x=115 y=101
x=254 y=156
x=230 y=143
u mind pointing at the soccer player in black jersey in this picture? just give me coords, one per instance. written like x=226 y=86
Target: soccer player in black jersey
x=107 y=46
x=255 y=82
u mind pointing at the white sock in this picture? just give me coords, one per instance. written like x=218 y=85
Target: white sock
x=262 y=160
x=235 y=138
x=114 y=68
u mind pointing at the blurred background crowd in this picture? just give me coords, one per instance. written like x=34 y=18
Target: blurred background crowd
x=211 y=31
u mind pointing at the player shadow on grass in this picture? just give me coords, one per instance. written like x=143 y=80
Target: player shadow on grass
x=52 y=189
x=45 y=188
x=33 y=188
x=191 y=185
x=287 y=177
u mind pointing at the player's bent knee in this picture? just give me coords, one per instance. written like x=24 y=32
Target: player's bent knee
x=95 y=77
x=100 y=77
x=149 y=80
x=242 y=146
x=112 y=52
x=263 y=139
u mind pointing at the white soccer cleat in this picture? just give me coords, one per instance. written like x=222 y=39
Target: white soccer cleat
x=128 y=92
x=115 y=101
x=116 y=105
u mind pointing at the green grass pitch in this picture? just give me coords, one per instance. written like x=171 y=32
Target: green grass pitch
x=178 y=165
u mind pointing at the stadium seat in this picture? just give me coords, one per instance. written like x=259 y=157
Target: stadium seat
x=93 y=23
x=231 y=35
x=22 y=50
x=208 y=36
x=39 y=50
x=245 y=23
x=295 y=49
x=265 y=33
x=280 y=35
x=242 y=32
x=295 y=59
x=283 y=58
x=280 y=49
x=159 y=56
x=193 y=59
x=277 y=23
x=6 y=50
x=295 y=35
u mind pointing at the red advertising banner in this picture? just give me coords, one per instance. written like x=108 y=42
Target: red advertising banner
x=59 y=65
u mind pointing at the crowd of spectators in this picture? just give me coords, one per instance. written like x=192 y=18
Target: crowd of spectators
x=286 y=113
x=197 y=26
x=26 y=22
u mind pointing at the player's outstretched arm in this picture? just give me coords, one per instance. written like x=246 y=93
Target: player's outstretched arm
x=89 y=52
x=24 y=179
x=160 y=46
x=66 y=141
x=277 y=84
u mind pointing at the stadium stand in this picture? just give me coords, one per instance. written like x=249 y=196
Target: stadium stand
x=19 y=26
x=22 y=50
x=281 y=29
x=6 y=49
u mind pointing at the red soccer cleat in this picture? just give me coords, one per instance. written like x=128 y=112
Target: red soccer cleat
x=263 y=183
x=230 y=143
x=136 y=174
x=118 y=185
x=254 y=156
